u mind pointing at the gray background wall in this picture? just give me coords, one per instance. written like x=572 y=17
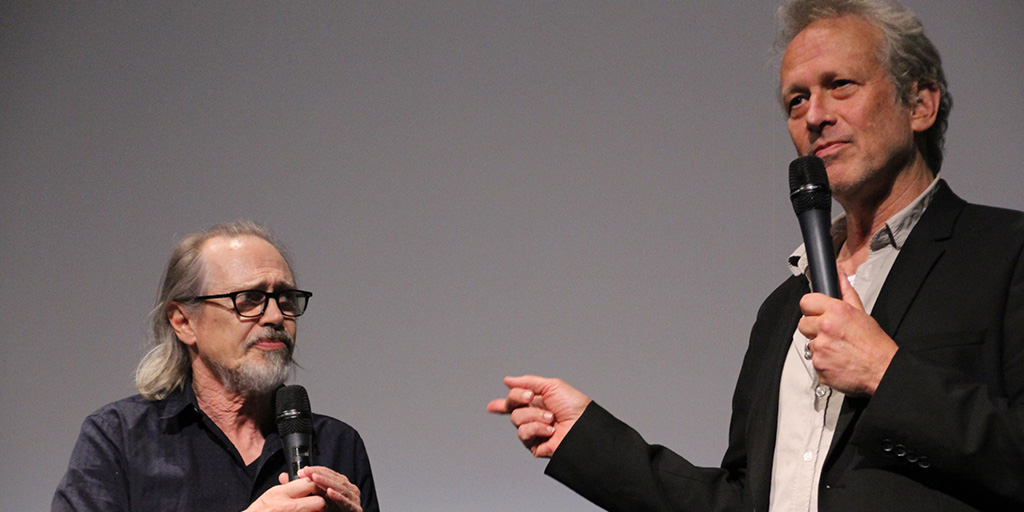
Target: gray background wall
x=590 y=190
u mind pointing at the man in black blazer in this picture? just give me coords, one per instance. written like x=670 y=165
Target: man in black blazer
x=906 y=394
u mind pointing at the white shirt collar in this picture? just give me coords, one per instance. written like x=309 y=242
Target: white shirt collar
x=894 y=233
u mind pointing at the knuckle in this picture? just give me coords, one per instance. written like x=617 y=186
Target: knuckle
x=524 y=435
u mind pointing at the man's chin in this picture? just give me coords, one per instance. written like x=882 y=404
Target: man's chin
x=842 y=179
x=258 y=377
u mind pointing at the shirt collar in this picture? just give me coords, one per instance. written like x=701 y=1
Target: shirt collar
x=180 y=402
x=894 y=233
x=181 y=406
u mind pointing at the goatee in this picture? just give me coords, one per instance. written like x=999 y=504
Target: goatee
x=259 y=377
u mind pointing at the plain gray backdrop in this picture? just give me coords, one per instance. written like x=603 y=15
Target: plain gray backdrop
x=589 y=190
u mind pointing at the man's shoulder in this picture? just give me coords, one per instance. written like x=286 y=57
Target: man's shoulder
x=131 y=405
x=996 y=216
x=967 y=228
x=133 y=410
x=975 y=215
x=328 y=425
x=339 y=445
x=985 y=229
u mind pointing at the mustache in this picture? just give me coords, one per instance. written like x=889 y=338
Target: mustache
x=272 y=334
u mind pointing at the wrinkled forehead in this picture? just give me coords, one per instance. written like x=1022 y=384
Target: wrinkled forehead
x=244 y=262
x=841 y=43
x=836 y=34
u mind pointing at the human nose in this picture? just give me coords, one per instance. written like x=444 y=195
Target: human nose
x=272 y=315
x=819 y=113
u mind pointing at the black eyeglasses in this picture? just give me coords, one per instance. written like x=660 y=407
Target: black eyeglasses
x=253 y=303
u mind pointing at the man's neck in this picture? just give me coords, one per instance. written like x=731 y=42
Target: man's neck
x=865 y=216
x=241 y=418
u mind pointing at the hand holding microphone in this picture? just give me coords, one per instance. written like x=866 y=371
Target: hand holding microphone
x=295 y=426
x=853 y=353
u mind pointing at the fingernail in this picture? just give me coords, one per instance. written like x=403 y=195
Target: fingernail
x=527 y=395
x=551 y=430
x=548 y=416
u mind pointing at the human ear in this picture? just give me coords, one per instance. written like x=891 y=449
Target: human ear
x=925 y=106
x=181 y=323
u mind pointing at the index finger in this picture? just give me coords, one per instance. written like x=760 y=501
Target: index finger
x=813 y=304
x=517 y=397
x=323 y=474
x=534 y=383
x=522 y=391
x=298 y=488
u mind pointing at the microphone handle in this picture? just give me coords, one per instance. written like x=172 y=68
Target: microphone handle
x=297 y=452
x=815 y=226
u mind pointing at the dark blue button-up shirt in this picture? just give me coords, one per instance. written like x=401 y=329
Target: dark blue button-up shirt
x=135 y=455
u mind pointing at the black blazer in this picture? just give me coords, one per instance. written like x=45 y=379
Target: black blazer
x=944 y=430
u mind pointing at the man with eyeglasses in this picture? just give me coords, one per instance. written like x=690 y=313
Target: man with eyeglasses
x=201 y=434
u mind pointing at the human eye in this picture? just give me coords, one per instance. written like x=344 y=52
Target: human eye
x=288 y=298
x=292 y=302
x=249 y=300
x=794 y=103
x=843 y=86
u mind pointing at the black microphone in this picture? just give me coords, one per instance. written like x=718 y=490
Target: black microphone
x=295 y=425
x=812 y=202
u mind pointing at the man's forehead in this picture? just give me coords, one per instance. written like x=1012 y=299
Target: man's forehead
x=244 y=259
x=844 y=42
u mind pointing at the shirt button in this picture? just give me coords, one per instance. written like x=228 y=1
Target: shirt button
x=808 y=456
x=820 y=391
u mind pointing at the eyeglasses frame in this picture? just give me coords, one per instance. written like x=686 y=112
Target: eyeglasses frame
x=269 y=295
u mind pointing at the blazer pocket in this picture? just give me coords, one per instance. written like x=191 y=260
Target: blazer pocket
x=964 y=350
x=923 y=342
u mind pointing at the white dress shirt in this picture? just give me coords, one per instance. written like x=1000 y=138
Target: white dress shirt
x=808 y=411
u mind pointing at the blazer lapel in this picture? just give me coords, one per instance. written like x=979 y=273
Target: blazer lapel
x=923 y=248
x=765 y=406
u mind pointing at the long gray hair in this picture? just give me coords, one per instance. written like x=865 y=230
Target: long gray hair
x=908 y=55
x=166 y=366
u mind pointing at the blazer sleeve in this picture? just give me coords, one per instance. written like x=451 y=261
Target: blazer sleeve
x=610 y=464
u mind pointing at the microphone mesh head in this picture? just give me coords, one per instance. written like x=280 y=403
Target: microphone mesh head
x=808 y=185
x=293 y=413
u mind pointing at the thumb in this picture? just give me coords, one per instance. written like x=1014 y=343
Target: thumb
x=529 y=382
x=850 y=295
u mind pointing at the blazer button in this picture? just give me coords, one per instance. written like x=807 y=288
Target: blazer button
x=924 y=463
x=912 y=457
x=887 y=445
x=899 y=450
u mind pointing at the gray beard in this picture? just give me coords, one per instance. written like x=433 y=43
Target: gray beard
x=254 y=378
